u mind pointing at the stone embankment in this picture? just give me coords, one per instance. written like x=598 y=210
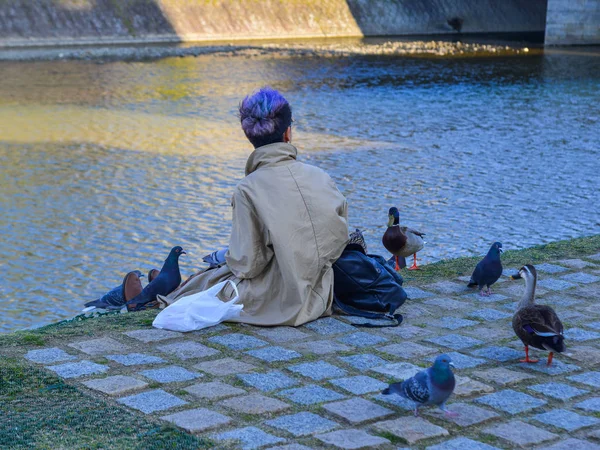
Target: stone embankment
x=316 y=49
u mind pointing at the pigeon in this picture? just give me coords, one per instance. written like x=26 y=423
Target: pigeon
x=216 y=258
x=152 y=274
x=115 y=299
x=164 y=283
x=431 y=386
x=488 y=270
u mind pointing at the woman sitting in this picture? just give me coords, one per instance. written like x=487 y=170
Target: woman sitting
x=289 y=226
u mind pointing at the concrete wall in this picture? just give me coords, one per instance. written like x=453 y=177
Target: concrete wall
x=48 y=22
x=572 y=22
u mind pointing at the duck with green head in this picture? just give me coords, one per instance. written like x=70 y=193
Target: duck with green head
x=401 y=241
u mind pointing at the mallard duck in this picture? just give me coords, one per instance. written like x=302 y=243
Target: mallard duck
x=488 y=270
x=537 y=326
x=401 y=241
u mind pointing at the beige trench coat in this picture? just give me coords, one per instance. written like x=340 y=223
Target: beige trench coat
x=289 y=226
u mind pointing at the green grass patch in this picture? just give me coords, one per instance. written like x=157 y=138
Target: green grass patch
x=40 y=411
x=452 y=268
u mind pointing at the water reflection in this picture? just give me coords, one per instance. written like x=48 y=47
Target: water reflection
x=103 y=167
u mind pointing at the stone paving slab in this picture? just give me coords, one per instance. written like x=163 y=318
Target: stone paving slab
x=573 y=444
x=580 y=335
x=559 y=391
x=416 y=293
x=254 y=404
x=580 y=277
x=116 y=385
x=557 y=368
x=454 y=323
x=329 y=326
x=213 y=390
x=448 y=287
x=249 y=437
x=406 y=331
x=475 y=297
x=282 y=334
x=359 y=385
x=357 y=410
x=310 y=394
x=153 y=335
x=502 y=376
x=302 y=424
x=591 y=404
x=520 y=434
x=589 y=378
x=567 y=420
x=455 y=341
x=170 y=374
x=407 y=350
x=576 y=263
x=48 y=356
x=465 y=387
x=467 y=414
x=363 y=362
x=188 y=350
x=448 y=303
x=322 y=347
x=550 y=268
x=196 y=420
x=362 y=339
x=461 y=361
x=319 y=370
x=396 y=400
x=274 y=354
x=78 y=369
x=135 y=359
x=489 y=314
x=152 y=401
x=102 y=346
x=268 y=381
x=238 y=341
x=511 y=401
x=352 y=439
x=399 y=371
x=462 y=443
x=555 y=285
x=411 y=429
x=225 y=366
x=501 y=354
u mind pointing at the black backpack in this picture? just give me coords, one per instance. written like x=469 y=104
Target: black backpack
x=367 y=286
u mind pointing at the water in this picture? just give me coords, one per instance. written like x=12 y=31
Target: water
x=104 y=167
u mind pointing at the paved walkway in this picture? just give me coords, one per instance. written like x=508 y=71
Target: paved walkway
x=318 y=385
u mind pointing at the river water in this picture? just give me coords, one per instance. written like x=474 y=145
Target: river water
x=105 y=166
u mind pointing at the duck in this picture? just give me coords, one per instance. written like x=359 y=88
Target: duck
x=537 y=326
x=488 y=270
x=401 y=241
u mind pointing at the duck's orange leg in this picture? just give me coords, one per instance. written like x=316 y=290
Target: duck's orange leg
x=527 y=359
x=397 y=268
x=414 y=266
x=549 y=363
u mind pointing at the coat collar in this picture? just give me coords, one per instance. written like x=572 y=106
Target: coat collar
x=269 y=155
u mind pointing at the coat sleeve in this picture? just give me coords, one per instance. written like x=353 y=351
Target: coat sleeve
x=250 y=250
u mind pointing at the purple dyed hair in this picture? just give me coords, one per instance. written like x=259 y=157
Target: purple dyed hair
x=265 y=115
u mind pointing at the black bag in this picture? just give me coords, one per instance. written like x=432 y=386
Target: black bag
x=367 y=286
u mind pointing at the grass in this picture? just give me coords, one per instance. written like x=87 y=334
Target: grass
x=452 y=268
x=40 y=411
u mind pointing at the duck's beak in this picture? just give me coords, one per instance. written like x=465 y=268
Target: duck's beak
x=516 y=276
x=390 y=220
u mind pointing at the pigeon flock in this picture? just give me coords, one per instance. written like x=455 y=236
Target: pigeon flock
x=537 y=326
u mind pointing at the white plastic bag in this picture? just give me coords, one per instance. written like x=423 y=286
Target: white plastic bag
x=200 y=310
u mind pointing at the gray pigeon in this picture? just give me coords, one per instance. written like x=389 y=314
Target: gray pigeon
x=431 y=386
x=216 y=258
x=115 y=299
x=488 y=270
